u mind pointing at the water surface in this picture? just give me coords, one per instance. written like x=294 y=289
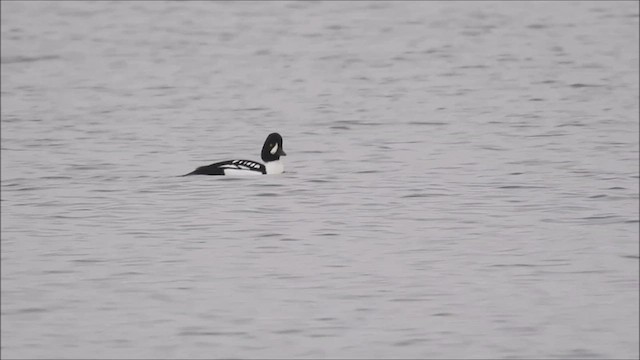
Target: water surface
x=461 y=180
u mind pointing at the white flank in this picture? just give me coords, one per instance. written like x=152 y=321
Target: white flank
x=238 y=172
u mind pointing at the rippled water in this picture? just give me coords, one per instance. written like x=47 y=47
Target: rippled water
x=461 y=180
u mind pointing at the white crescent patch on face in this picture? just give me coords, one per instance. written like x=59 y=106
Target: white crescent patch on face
x=274 y=150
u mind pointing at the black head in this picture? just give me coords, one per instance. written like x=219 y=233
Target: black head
x=272 y=148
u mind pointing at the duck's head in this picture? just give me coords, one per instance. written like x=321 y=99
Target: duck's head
x=272 y=148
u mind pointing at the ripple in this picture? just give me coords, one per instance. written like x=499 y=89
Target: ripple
x=368 y=172
x=443 y=314
x=211 y=333
x=287 y=331
x=599 y=217
x=581 y=85
x=525 y=265
x=410 y=342
x=427 y=123
x=26 y=59
x=30 y=310
x=424 y=195
x=599 y=196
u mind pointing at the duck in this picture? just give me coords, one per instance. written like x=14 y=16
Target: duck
x=271 y=152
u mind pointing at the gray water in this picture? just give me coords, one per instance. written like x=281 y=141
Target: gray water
x=461 y=180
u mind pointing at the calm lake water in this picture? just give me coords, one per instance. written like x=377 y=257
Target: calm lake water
x=461 y=180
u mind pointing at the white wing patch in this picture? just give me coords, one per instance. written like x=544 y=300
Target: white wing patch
x=239 y=167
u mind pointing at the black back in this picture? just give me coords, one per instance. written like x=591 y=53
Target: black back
x=219 y=167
